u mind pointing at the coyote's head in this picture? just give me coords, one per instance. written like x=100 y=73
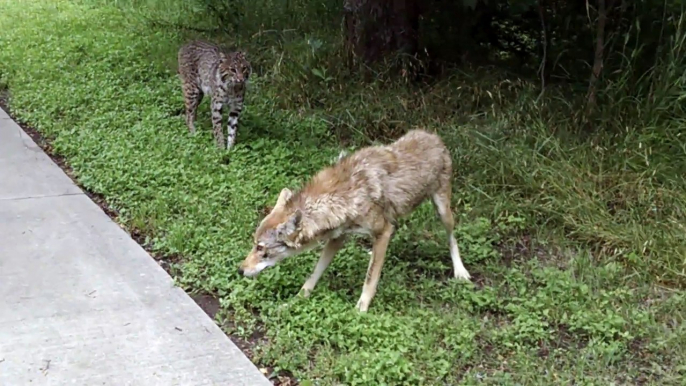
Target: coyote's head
x=275 y=238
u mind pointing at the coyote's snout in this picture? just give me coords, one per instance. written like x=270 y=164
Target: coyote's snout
x=365 y=192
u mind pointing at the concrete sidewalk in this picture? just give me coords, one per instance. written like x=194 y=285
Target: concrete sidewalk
x=81 y=303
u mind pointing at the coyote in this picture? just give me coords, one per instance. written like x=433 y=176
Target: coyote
x=364 y=193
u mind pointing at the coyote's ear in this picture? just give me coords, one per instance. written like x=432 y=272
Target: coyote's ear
x=283 y=197
x=290 y=226
x=342 y=155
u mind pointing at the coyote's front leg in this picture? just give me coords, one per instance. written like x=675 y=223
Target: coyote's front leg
x=375 y=264
x=328 y=253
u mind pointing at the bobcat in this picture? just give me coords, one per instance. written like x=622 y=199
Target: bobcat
x=204 y=68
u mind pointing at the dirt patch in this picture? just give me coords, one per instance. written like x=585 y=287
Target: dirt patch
x=523 y=247
x=208 y=302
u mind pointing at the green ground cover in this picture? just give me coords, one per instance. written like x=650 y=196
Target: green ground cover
x=577 y=246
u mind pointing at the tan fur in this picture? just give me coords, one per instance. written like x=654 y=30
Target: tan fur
x=365 y=192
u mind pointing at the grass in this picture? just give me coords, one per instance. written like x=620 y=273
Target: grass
x=576 y=245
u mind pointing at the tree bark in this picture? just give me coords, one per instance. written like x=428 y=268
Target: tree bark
x=544 y=48
x=377 y=28
x=598 y=58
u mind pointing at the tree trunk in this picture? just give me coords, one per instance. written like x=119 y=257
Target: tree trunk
x=544 y=48
x=598 y=58
x=376 y=28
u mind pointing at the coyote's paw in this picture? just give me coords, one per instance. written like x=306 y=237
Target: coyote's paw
x=462 y=274
x=362 y=305
x=305 y=292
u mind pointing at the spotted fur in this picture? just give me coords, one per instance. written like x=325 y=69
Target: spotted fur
x=204 y=68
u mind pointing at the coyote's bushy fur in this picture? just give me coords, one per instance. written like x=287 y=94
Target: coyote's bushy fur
x=364 y=192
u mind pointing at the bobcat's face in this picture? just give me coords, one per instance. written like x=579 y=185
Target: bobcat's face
x=235 y=68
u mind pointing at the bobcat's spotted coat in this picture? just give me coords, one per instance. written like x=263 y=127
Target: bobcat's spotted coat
x=204 y=69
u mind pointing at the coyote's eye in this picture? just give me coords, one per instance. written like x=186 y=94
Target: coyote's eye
x=259 y=248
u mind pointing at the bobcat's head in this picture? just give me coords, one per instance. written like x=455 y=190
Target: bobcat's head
x=234 y=67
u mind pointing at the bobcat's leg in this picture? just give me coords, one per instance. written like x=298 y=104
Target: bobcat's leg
x=217 y=107
x=192 y=96
x=234 y=115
